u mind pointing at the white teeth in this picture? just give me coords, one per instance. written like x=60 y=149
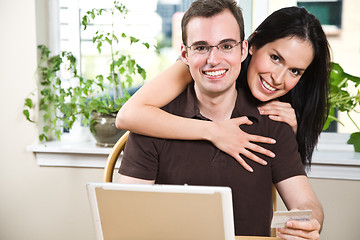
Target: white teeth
x=215 y=73
x=267 y=86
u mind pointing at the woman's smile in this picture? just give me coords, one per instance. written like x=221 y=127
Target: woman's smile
x=266 y=85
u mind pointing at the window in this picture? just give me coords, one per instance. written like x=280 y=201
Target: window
x=146 y=20
x=151 y=21
x=328 y=12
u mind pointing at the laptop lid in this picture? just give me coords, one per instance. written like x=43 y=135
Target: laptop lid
x=161 y=212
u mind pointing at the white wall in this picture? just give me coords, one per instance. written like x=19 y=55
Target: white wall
x=340 y=200
x=35 y=202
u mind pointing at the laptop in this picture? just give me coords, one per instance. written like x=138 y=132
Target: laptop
x=161 y=212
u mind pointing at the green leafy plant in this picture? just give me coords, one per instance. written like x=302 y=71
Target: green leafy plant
x=342 y=100
x=59 y=105
x=122 y=68
x=65 y=96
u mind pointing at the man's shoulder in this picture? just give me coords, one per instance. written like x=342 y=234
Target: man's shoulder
x=184 y=104
x=176 y=105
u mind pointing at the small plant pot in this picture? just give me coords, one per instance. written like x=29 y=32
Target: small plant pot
x=102 y=127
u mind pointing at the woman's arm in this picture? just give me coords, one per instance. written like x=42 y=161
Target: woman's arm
x=142 y=114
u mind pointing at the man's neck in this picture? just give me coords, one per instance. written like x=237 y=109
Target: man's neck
x=217 y=107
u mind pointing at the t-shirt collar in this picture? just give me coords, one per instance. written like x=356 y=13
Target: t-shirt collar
x=246 y=105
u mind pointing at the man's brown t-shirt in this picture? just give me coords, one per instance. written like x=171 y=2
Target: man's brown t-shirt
x=169 y=161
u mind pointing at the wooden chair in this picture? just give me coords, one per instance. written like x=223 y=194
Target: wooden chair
x=113 y=157
x=119 y=147
x=274 y=193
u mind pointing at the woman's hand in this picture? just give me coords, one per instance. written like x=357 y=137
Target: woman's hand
x=281 y=112
x=228 y=137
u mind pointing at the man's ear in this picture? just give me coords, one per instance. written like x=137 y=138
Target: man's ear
x=184 y=54
x=244 y=49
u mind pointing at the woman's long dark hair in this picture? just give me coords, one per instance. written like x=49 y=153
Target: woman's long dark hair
x=309 y=97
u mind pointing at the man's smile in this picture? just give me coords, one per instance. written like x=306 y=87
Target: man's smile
x=215 y=73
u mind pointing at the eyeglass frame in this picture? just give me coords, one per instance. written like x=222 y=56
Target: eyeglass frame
x=212 y=46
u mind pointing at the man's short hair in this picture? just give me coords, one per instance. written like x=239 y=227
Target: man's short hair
x=209 y=8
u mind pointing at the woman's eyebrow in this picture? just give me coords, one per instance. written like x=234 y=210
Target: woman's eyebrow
x=279 y=55
x=283 y=60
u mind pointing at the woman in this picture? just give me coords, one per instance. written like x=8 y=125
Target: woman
x=304 y=105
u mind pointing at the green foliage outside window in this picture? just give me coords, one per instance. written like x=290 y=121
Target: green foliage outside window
x=344 y=101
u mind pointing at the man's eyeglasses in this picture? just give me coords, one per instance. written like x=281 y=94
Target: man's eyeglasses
x=224 y=47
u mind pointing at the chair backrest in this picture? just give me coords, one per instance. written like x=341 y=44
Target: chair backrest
x=274 y=195
x=119 y=147
x=113 y=157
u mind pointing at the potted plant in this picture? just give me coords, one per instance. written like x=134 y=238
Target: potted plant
x=122 y=70
x=65 y=98
x=343 y=100
x=59 y=105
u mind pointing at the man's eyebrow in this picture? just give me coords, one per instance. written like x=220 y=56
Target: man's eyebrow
x=228 y=40
x=200 y=43
x=206 y=43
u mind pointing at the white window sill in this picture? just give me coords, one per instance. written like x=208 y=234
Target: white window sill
x=333 y=159
x=70 y=154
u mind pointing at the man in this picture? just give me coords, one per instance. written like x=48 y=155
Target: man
x=214 y=48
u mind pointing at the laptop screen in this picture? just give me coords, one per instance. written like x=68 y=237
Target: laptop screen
x=136 y=211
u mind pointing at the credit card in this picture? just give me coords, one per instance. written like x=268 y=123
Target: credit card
x=281 y=217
